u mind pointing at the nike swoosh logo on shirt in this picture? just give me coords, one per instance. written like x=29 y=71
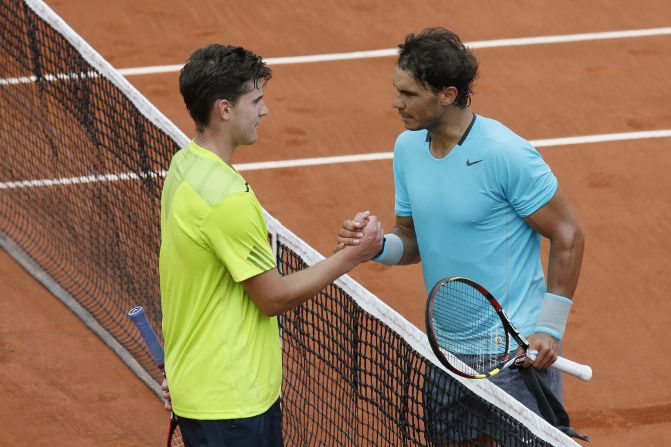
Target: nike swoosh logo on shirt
x=471 y=163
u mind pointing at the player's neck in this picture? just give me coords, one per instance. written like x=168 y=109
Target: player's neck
x=447 y=134
x=214 y=140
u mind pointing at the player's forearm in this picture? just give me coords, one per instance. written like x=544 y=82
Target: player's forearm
x=275 y=294
x=566 y=251
x=410 y=247
x=303 y=285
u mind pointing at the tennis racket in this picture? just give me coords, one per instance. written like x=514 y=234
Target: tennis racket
x=471 y=335
x=156 y=350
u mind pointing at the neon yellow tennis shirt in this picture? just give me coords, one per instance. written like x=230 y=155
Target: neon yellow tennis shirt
x=222 y=354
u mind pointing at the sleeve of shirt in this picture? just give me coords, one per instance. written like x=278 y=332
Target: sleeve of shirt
x=529 y=182
x=401 y=198
x=236 y=232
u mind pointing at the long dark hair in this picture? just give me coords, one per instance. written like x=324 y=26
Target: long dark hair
x=437 y=58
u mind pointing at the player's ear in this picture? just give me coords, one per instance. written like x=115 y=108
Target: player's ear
x=222 y=109
x=448 y=96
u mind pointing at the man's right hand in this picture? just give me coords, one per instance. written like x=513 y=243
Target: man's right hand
x=369 y=244
x=167 y=403
x=351 y=232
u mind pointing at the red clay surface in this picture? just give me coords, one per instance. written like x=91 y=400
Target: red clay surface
x=63 y=387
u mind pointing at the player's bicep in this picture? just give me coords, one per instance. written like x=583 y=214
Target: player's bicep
x=555 y=218
x=263 y=289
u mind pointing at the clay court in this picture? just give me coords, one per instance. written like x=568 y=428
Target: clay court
x=62 y=386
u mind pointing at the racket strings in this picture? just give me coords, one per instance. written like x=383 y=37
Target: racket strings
x=468 y=329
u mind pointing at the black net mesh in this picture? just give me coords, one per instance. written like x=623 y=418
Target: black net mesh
x=350 y=380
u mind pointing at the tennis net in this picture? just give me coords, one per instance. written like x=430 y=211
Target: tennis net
x=84 y=158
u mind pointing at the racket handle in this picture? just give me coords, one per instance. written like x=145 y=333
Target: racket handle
x=582 y=372
x=140 y=319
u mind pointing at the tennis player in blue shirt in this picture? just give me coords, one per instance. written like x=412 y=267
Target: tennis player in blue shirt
x=473 y=199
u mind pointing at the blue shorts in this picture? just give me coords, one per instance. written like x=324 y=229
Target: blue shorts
x=264 y=430
x=453 y=413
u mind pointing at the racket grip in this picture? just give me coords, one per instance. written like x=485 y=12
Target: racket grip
x=582 y=372
x=140 y=319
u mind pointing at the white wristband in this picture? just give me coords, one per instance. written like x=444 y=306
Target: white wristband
x=392 y=250
x=554 y=314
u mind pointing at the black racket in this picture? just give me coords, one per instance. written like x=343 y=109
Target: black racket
x=149 y=336
x=471 y=335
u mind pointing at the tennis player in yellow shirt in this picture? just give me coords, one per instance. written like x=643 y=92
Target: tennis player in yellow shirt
x=220 y=289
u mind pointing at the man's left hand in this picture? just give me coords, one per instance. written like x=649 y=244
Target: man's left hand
x=547 y=347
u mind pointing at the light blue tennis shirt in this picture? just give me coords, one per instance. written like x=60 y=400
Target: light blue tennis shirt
x=469 y=208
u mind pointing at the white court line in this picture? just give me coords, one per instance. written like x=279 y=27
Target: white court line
x=57 y=77
x=625 y=34
x=566 y=141
x=302 y=162
x=102 y=178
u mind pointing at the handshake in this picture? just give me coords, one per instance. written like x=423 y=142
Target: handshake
x=361 y=237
